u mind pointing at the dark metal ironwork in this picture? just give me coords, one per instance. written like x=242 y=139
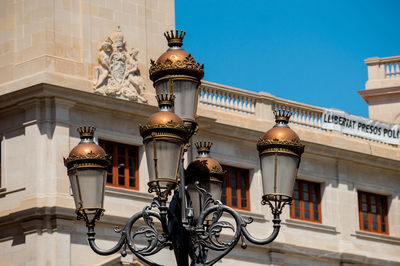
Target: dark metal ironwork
x=189 y=238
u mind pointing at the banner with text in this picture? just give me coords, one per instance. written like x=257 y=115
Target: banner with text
x=360 y=126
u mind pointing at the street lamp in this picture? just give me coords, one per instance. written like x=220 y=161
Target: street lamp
x=176 y=72
x=191 y=224
x=87 y=170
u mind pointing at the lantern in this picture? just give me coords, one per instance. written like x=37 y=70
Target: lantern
x=176 y=72
x=280 y=150
x=87 y=170
x=164 y=136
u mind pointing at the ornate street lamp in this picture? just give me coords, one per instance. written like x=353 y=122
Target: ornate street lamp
x=176 y=72
x=280 y=150
x=191 y=224
x=164 y=137
x=87 y=170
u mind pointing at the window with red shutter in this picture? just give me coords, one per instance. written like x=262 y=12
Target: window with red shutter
x=306 y=201
x=235 y=191
x=124 y=171
x=373 y=212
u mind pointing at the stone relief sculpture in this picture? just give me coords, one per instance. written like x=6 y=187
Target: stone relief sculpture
x=118 y=74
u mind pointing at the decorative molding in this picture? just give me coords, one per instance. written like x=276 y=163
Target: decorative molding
x=257 y=217
x=118 y=74
x=280 y=145
x=377 y=237
x=311 y=226
x=337 y=257
x=128 y=193
x=88 y=156
x=188 y=64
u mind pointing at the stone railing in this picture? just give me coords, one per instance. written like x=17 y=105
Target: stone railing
x=228 y=99
x=258 y=105
x=392 y=69
x=309 y=116
x=383 y=72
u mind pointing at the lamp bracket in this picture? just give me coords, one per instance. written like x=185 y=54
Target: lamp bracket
x=192 y=240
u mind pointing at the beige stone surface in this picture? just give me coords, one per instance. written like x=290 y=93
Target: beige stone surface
x=57 y=42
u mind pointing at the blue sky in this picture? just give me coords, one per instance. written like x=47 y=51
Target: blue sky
x=306 y=51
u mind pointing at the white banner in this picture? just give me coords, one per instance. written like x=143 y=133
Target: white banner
x=360 y=126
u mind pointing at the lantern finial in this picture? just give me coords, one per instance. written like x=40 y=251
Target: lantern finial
x=175 y=38
x=203 y=146
x=165 y=100
x=86 y=131
x=282 y=116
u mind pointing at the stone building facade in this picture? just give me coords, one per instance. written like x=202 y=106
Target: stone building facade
x=53 y=79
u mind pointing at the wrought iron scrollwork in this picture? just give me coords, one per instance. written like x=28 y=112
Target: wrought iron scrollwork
x=154 y=239
x=205 y=233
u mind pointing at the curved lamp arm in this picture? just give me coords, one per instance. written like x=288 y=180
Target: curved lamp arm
x=155 y=241
x=91 y=239
x=270 y=238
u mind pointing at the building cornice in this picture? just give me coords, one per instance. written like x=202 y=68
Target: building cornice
x=379 y=96
x=354 y=149
x=80 y=98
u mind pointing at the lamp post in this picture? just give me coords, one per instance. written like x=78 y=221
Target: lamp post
x=191 y=224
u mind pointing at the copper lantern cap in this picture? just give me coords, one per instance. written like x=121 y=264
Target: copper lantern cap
x=175 y=61
x=281 y=137
x=163 y=121
x=87 y=153
x=204 y=167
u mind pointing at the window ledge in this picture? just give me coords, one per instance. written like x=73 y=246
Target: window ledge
x=377 y=237
x=311 y=226
x=134 y=194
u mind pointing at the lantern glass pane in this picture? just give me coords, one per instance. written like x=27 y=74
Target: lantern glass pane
x=195 y=199
x=150 y=159
x=162 y=87
x=185 y=98
x=75 y=191
x=214 y=188
x=90 y=182
x=285 y=167
x=168 y=153
x=167 y=158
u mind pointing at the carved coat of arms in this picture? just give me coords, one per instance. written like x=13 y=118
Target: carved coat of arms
x=118 y=74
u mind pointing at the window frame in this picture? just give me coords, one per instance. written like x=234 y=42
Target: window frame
x=115 y=166
x=302 y=202
x=378 y=199
x=228 y=187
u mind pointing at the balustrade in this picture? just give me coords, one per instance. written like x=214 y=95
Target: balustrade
x=227 y=100
x=302 y=115
x=386 y=70
x=392 y=69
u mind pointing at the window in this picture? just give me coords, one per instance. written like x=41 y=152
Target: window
x=123 y=172
x=235 y=191
x=373 y=212
x=306 y=201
